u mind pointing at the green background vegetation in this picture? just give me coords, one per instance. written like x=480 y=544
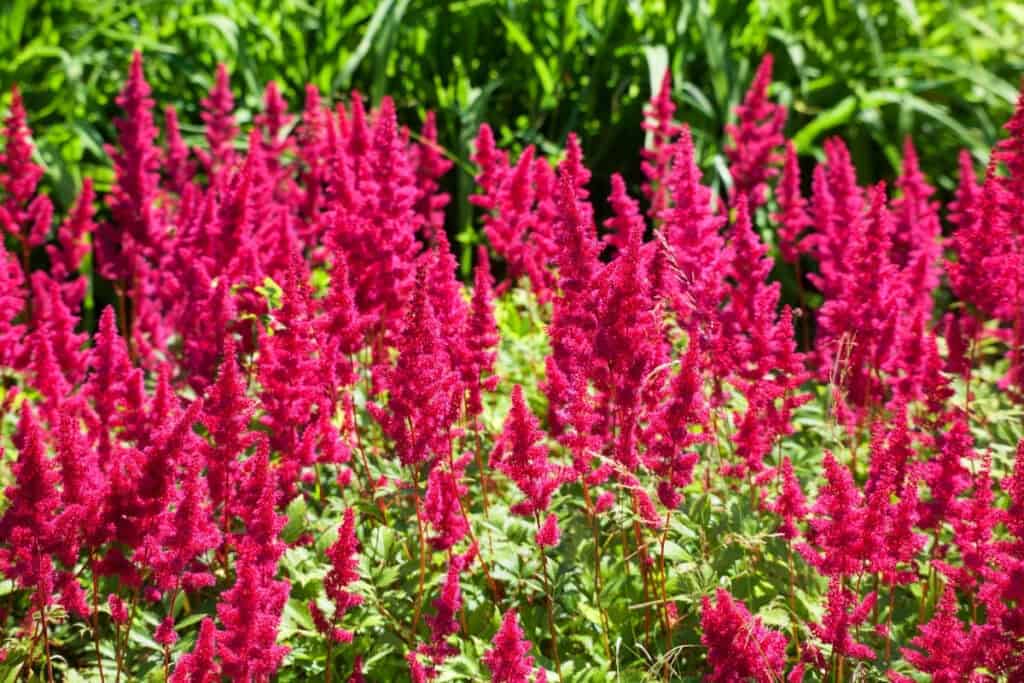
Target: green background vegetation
x=871 y=71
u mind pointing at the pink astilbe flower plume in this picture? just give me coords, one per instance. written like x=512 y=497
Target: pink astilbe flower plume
x=858 y=325
x=289 y=370
x=423 y=388
x=76 y=521
x=250 y=612
x=443 y=623
x=1010 y=151
x=574 y=320
x=431 y=165
x=897 y=543
x=52 y=313
x=72 y=245
x=441 y=506
x=359 y=137
x=548 y=535
x=227 y=412
x=274 y=121
x=943 y=648
x=221 y=129
x=493 y=165
x=842 y=180
x=891 y=452
x=626 y=216
x=186 y=534
x=450 y=306
x=344 y=558
x=28 y=527
x=46 y=375
x=520 y=454
x=962 y=210
x=342 y=323
x=178 y=168
x=836 y=527
x=657 y=153
x=843 y=614
x=692 y=278
x=959 y=332
x=20 y=174
x=947 y=476
x=837 y=204
x=765 y=365
x=256 y=505
x=389 y=190
x=12 y=301
x=628 y=344
x=750 y=315
x=916 y=247
x=139 y=511
x=23 y=213
x=678 y=424
x=790 y=504
x=134 y=228
x=507 y=198
x=792 y=218
x=508 y=659
x=973 y=530
x=312 y=150
x=979 y=235
x=82 y=481
x=200 y=665
x=479 y=351
x=739 y=647
x=756 y=136
x=107 y=386
x=572 y=170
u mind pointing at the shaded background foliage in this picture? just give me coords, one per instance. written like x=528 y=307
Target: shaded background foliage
x=871 y=71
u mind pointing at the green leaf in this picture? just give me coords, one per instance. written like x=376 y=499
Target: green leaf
x=657 y=65
x=825 y=121
x=373 y=28
x=271 y=293
x=296 y=513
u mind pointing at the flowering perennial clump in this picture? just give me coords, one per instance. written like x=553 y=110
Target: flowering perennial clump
x=261 y=423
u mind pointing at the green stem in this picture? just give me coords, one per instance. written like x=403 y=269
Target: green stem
x=550 y=604
x=595 y=529
x=423 y=550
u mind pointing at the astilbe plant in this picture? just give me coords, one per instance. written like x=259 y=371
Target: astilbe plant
x=290 y=351
x=522 y=456
x=508 y=659
x=739 y=647
x=133 y=232
x=657 y=154
x=943 y=649
x=344 y=570
x=25 y=214
x=844 y=612
x=221 y=130
x=755 y=137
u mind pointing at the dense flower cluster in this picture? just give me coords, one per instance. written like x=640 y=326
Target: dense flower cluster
x=290 y=352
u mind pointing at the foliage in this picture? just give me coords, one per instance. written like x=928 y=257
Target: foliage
x=267 y=461
x=870 y=71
